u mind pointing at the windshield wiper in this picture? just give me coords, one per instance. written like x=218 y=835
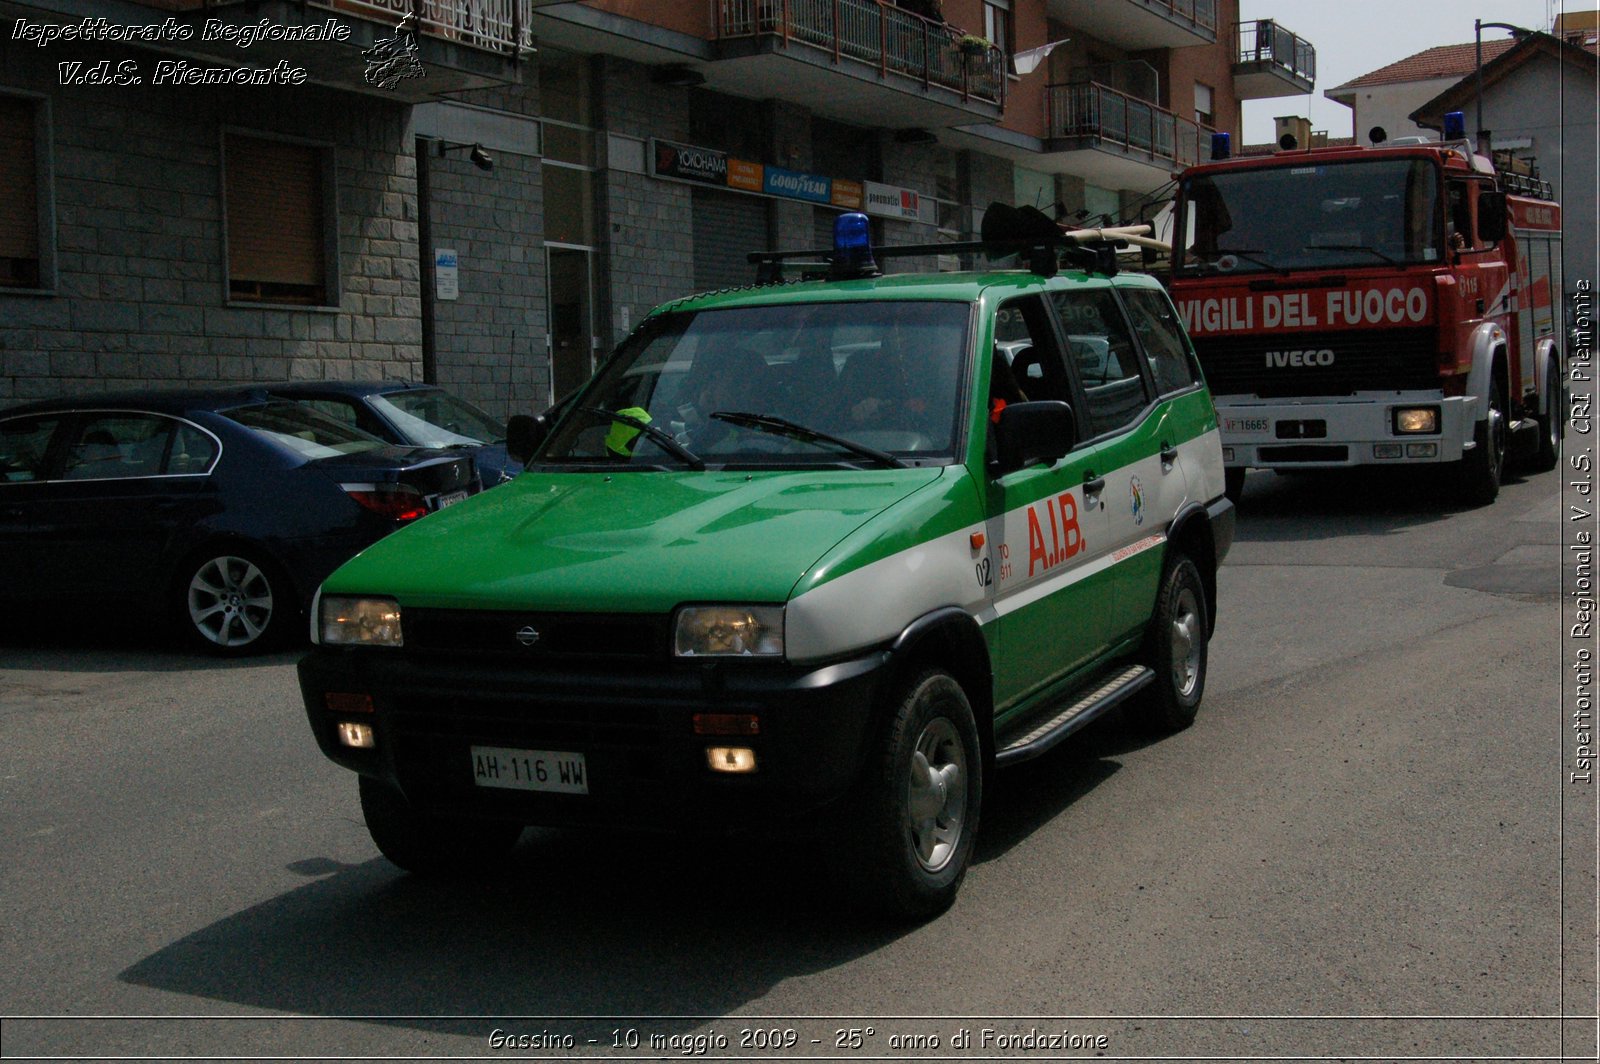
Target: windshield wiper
x=1248 y=254
x=662 y=439
x=784 y=427
x=1352 y=247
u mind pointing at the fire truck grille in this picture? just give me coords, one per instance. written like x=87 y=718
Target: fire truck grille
x=1326 y=363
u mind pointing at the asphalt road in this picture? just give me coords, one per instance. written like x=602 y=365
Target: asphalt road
x=1366 y=846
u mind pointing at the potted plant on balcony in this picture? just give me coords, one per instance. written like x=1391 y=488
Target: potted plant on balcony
x=973 y=45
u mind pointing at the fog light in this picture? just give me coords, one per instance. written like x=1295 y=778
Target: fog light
x=1412 y=421
x=1422 y=450
x=1386 y=450
x=356 y=735
x=1227 y=456
x=736 y=759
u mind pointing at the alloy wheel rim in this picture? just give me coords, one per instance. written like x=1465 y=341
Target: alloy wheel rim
x=936 y=795
x=230 y=601
x=1186 y=643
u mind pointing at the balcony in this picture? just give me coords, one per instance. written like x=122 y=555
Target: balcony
x=903 y=70
x=1272 y=62
x=1140 y=25
x=1115 y=140
x=458 y=44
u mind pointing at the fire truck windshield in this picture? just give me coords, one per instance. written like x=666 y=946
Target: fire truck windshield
x=1318 y=215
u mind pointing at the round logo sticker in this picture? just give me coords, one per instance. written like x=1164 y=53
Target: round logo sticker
x=1136 y=500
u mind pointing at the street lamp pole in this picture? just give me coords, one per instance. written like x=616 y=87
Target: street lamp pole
x=1478 y=26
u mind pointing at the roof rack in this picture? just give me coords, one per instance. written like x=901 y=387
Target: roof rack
x=1525 y=185
x=1025 y=232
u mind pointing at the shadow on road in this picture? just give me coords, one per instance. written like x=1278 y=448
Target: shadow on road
x=94 y=643
x=591 y=923
x=1331 y=504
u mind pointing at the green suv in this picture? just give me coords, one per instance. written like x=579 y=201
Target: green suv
x=831 y=551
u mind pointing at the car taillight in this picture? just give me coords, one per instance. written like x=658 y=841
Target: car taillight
x=398 y=502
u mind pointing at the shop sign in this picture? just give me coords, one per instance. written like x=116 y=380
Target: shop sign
x=890 y=201
x=688 y=163
x=847 y=194
x=792 y=184
x=745 y=176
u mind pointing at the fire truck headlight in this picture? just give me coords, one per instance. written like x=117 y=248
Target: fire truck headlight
x=1420 y=420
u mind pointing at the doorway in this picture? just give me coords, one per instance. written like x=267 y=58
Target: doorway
x=571 y=327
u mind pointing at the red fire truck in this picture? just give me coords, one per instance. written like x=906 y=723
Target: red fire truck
x=1385 y=305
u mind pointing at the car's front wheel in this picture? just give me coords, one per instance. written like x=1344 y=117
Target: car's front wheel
x=427 y=844
x=231 y=600
x=1480 y=470
x=916 y=817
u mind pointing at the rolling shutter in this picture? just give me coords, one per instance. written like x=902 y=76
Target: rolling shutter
x=19 y=195
x=727 y=227
x=275 y=221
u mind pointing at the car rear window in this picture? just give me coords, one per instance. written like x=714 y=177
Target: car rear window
x=438 y=419
x=303 y=430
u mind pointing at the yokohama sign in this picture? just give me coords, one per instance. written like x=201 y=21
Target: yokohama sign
x=1384 y=305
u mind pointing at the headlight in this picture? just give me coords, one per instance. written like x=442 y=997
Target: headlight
x=729 y=631
x=347 y=621
x=1422 y=419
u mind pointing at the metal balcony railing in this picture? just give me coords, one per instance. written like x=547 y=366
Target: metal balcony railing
x=1200 y=12
x=874 y=33
x=1264 y=41
x=1088 y=109
x=492 y=25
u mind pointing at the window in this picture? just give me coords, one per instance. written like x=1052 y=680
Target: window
x=279 y=201
x=997 y=24
x=21 y=258
x=119 y=446
x=24 y=443
x=1156 y=325
x=1101 y=350
x=1203 y=112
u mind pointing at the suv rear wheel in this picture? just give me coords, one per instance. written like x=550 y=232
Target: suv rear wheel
x=1175 y=648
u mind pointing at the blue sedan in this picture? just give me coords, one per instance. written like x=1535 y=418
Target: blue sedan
x=221 y=510
x=422 y=415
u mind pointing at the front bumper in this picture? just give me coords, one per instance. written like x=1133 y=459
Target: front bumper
x=1339 y=432
x=633 y=726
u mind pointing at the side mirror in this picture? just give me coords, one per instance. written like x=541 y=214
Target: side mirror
x=524 y=434
x=1034 y=432
x=1491 y=217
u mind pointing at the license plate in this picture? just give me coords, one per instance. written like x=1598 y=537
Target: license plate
x=451 y=499
x=530 y=770
x=1245 y=424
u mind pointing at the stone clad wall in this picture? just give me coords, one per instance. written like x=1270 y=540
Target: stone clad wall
x=139 y=292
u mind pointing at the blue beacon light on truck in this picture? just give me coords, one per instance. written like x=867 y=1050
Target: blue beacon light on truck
x=852 y=243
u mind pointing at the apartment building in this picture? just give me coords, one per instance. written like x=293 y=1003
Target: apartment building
x=491 y=193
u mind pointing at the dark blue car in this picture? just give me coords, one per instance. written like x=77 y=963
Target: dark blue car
x=221 y=509
x=422 y=415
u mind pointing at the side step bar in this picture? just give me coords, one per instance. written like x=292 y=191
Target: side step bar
x=1091 y=703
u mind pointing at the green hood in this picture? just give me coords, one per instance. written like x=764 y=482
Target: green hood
x=626 y=542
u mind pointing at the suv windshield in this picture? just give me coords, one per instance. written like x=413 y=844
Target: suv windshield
x=1360 y=213
x=303 y=430
x=838 y=381
x=437 y=419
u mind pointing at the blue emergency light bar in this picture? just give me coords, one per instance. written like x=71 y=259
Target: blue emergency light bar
x=852 y=243
x=1221 y=146
x=1455 y=126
